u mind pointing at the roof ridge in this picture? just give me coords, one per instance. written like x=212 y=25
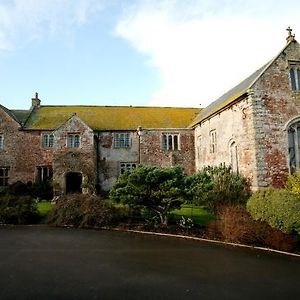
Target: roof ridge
x=122 y=106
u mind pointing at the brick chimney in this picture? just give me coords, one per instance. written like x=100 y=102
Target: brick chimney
x=35 y=102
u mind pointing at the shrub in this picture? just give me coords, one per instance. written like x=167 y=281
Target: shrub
x=18 y=189
x=279 y=208
x=18 y=210
x=81 y=210
x=217 y=186
x=151 y=188
x=43 y=190
x=236 y=225
x=293 y=183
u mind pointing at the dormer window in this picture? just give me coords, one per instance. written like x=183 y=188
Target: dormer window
x=295 y=76
x=73 y=140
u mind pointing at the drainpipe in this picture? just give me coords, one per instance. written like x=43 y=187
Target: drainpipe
x=97 y=160
x=139 y=133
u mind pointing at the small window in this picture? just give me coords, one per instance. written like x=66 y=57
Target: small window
x=199 y=146
x=48 y=140
x=1 y=141
x=122 y=140
x=4 y=176
x=295 y=76
x=73 y=140
x=126 y=166
x=44 y=173
x=213 y=141
x=170 y=142
x=234 y=157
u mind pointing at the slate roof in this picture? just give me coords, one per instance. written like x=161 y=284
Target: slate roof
x=112 y=117
x=11 y=114
x=235 y=93
x=21 y=115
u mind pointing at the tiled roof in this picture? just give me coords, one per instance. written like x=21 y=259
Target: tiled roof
x=112 y=117
x=235 y=93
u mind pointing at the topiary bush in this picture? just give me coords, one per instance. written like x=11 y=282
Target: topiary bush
x=85 y=211
x=278 y=207
x=18 y=210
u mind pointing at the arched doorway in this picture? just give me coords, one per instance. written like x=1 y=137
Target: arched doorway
x=73 y=182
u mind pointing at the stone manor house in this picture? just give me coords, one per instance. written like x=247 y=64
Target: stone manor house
x=254 y=127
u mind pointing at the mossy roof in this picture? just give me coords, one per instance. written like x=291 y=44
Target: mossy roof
x=235 y=93
x=112 y=117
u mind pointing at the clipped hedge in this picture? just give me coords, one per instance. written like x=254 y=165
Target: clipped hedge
x=279 y=208
x=18 y=210
x=85 y=211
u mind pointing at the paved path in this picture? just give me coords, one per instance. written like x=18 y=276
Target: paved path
x=49 y=263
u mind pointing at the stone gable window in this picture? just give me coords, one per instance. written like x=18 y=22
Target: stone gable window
x=295 y=76
x=48 y=140
x=73 y=140
x=4 y=176
x=127 y=166
x=1 y=141
x=170 y=141
x=122 y=140
x=44 y=173
x=213 y=141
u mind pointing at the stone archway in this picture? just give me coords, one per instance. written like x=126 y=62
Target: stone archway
x=73 y=182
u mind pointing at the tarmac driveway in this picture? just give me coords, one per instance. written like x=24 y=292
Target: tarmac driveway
x=38 y=262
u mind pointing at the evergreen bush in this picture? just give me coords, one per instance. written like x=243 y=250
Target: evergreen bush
x=18 y=210
x=280 y=208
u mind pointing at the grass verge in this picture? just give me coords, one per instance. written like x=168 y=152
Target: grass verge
x=198 y=214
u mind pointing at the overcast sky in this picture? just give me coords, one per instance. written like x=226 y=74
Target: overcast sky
x=136 y=52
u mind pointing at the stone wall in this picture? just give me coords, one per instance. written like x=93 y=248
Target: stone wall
x=79 y=160
x=275 y=104
x=110 y=157
x=233 y=125
x=22 y=151
x=152 y=153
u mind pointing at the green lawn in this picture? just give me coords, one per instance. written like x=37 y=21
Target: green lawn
x=198 y=214
x=44 y=207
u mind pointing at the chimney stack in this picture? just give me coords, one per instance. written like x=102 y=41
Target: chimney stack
x=35 y=102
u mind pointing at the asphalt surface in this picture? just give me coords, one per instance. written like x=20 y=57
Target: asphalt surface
x=49 y=263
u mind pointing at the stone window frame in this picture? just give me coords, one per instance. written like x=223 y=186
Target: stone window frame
x=47 y=140
x=73 y=140
x=127 y=166
x=4 y=176
x=1 y=141
x=294 y=75
x=44 y=173
x=170 y=141
x=233 y=156
x=122 y=140
x=213 y=141
x=199 y=146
